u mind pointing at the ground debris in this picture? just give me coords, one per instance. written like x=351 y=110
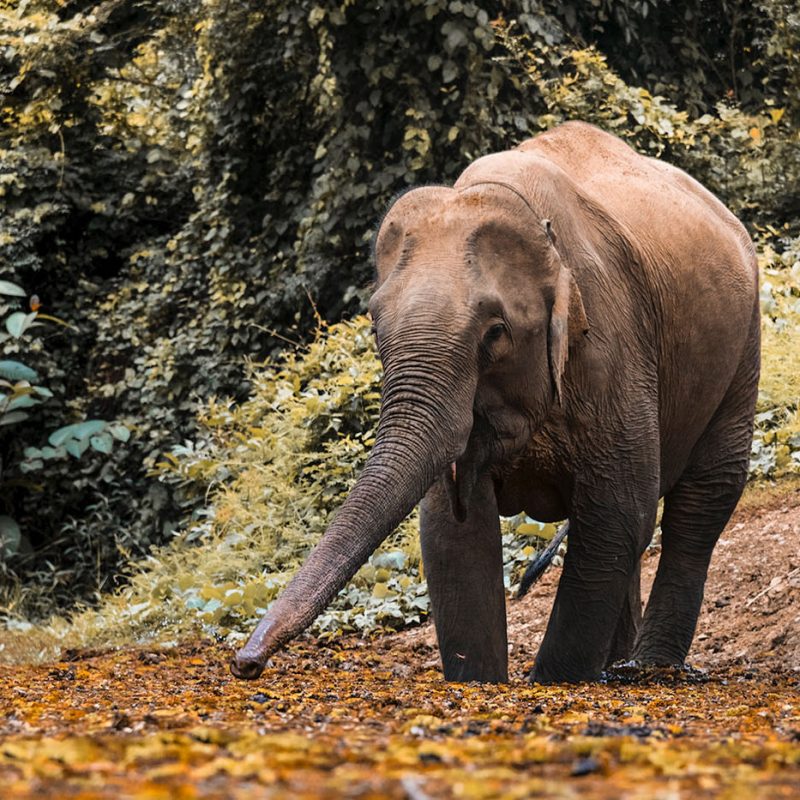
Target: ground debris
x=129 y=725
x=373 y=718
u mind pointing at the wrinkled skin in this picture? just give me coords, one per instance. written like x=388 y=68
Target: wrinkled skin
x=571 y=330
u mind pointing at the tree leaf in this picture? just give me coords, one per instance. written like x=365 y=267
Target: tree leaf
x=23 y=401
x=15 y=371
x=103 y=443
x=10 y=535
x=79 y=430
x=76 y=447
x=13 y=417
x=17 y=323
x=119 y=431
x=8 y=288
x=91 y=427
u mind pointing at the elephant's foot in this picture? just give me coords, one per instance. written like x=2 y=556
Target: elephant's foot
x=550 y=673
x=635 y=672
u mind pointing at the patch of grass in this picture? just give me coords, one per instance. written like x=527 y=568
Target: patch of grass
x=760 y=494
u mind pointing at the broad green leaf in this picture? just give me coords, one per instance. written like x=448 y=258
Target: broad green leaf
x=53 y=452
x=78 y=430
x=13 y=417
x=14 y=371
x=83 y=430
x=76 y=447
x=119 y=431
x=103 y=443
x=10 y=535
x=17 y=323
x=42 y=391
x=61 y=435
x=8 y=288
x=22 y=401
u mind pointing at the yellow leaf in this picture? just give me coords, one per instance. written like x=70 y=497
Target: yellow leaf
x=755 y=133
x=547 y=531
x=136 y=119
x=776 y=114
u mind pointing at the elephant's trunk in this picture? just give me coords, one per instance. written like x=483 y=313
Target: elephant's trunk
x=416 y=438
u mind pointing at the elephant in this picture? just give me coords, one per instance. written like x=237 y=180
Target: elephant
x=570 y=330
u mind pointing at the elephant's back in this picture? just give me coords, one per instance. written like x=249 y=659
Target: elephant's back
x=691 y=268
x=662 y=208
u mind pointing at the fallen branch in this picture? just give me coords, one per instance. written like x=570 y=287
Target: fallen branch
x=772 y=585
x=536 y=568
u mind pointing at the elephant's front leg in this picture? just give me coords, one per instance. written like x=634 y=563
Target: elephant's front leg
x=597 y=598
x=464 y=568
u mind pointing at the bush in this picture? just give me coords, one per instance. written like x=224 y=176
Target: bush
x=776 y=444
x=23 y=398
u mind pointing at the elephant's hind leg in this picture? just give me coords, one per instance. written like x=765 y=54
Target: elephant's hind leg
x=464 y=568
x=695 y=512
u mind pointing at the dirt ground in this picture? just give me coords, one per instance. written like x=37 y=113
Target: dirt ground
x=373 y=718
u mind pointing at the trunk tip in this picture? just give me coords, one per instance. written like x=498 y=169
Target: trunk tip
x=246 y=667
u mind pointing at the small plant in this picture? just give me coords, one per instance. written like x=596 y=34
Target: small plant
x=21 y=392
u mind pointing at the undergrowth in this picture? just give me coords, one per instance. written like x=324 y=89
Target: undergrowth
x=776 y=443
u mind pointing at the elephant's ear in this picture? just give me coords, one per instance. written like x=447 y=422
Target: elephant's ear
x=567 y=323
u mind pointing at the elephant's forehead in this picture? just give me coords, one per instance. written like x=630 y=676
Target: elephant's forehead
x=439 y=229
x=452 y=220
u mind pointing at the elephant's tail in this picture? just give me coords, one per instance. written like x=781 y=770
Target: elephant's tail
x=537 y=567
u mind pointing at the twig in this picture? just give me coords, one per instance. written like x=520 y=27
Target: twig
x=771 y=586
x=542 y=562
x=412 y=788
x=317 y=316
x=272 y=332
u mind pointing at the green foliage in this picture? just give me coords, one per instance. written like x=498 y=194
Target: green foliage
x=264 y=477
x=19 y=393
x=749 y=158
x=270 y=473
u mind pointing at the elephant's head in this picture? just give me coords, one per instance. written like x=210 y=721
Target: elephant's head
x=473 y=312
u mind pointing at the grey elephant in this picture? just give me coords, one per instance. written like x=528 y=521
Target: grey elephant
x=571 y=330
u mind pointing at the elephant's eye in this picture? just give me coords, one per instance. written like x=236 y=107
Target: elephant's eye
x=494 y=333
